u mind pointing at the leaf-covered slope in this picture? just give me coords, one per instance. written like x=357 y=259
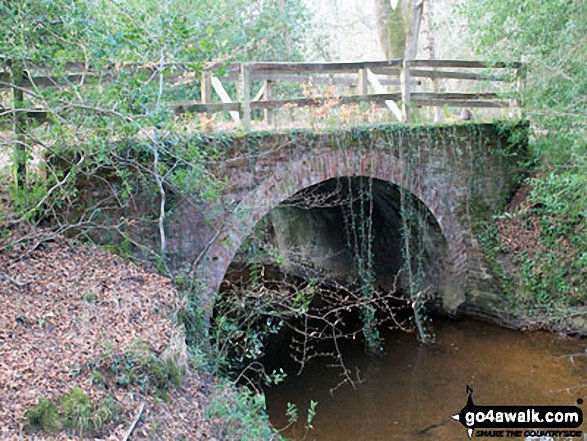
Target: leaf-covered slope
x=90 y=319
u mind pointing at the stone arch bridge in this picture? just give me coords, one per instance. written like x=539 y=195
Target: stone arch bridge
x=460 y=174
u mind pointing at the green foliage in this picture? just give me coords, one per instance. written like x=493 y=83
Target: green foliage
x=311 y=414
x=107 y=32
x=493 y=250
x=130 y=52
x=138 y=366
x=292 y=413
x=107 y=411
x=240 y=329
x=550 y=38
x=242 y=412
x=292 y=417
x=43 y=416
x=77 y=410
x=77 y=413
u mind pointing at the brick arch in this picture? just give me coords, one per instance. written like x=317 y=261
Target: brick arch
x=423 y=182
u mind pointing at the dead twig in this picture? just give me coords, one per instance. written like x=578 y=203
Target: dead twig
x=134 y=423
x=14 y=281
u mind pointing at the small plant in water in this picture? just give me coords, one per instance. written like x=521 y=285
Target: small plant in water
x=292 y=418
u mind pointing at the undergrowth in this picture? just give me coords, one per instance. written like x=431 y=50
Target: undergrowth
x=137 y=367
x=76 y=412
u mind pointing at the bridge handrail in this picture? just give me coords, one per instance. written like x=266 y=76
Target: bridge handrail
x=405 y=74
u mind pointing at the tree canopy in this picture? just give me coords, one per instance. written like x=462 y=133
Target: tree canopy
x=103 y=70
x=117 y=31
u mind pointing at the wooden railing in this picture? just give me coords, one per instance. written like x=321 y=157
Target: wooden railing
x=399 y=85
x=371 y=82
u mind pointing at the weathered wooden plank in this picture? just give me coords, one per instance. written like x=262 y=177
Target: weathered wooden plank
x=423 y=102
x=197 y=107
x=206 y=91
x=406 y=92
x=246 y=95
x=465 y=64
x=283 y=72
x=363 y=82
x=434 y=74
x=320 y=101
x=456 y=96
x=225 y=98
x=317 y=79
x=260 y=93
x=77 y=71
x=372 y=78
x=44 y=81
x=332 y=67
x=268 y=113
x=388 y=71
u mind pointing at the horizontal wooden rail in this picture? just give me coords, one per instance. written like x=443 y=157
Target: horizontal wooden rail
x=434 y=74
x=197 y=107
x=455 y=96
x=354 y=65
x=336 y=80
x=320 y=67
x=439 y=102
x=403 y=76
x=465 y=64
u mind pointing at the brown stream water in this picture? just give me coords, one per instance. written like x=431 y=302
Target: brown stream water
x=411 y=391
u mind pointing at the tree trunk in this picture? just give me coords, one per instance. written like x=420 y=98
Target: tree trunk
x=392 y=26
x=430 y=47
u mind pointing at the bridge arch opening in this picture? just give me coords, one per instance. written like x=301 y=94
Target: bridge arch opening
x=425 y=171
x=347 y=229
x=316 y=175
x=339 y=259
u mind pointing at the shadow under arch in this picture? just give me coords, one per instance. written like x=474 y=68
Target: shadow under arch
x=291 y=178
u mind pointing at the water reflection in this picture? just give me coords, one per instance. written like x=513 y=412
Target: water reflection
x=411 y=391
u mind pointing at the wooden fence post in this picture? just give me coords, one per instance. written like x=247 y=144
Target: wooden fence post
x=363 y=86
x=206 y=95
x=363 y=82
x=19 y=121
x=245 y=75
x=521 y=86
x=405 y=85
x=269 y=116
